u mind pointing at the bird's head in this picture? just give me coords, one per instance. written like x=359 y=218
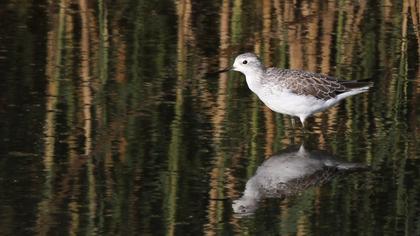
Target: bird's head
x=248 y=63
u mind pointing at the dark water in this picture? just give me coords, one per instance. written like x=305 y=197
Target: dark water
x=110 y=124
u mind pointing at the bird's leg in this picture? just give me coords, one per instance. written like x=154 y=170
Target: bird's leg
x=302 y=120
x=293 y=122
x=303 y=128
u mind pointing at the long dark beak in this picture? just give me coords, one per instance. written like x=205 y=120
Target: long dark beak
x=220 y=71
x=224 y=70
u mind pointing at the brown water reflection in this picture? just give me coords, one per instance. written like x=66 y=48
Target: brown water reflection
x=111 y=124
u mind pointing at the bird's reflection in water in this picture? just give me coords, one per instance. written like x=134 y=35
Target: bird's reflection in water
x=288 y=174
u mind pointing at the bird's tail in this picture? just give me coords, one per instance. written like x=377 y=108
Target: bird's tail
x=364 y=84
x=354 y=87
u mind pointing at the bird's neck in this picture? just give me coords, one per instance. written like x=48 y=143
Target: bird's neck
x=254 y=80
x=252 y=190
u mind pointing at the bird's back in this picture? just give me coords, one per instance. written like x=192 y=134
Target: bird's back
x=310 y=84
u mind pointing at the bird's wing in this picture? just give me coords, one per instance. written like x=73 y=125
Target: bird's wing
x=306 y=83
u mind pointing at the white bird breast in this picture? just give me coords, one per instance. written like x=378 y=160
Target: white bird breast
x=284 y=101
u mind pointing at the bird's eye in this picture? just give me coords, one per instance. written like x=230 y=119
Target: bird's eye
x=245 y=62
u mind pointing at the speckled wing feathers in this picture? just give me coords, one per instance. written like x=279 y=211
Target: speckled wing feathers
x=305 y=83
